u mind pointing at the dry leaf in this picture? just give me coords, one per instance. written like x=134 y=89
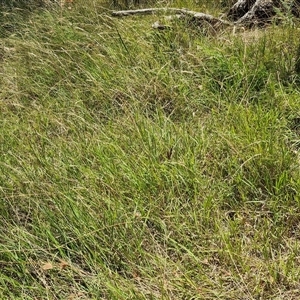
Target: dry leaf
x=76 y=296
x=63 y=264
x=47 y=266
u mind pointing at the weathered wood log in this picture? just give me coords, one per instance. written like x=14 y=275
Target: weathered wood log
x=239 y=9
x=193 y=15
x=144 y=11
x=260 y=11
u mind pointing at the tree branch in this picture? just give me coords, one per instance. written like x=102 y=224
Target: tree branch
x=195 y=16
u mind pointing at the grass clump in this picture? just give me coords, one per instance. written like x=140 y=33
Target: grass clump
x=138 y=164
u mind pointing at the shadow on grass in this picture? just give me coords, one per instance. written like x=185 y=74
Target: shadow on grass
x=14 y=13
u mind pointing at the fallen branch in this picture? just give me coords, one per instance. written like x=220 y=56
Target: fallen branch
x=253 y=11
x=195 y=16
x=149 y=11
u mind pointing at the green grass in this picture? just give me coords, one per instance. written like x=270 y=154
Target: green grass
x=143 y=164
